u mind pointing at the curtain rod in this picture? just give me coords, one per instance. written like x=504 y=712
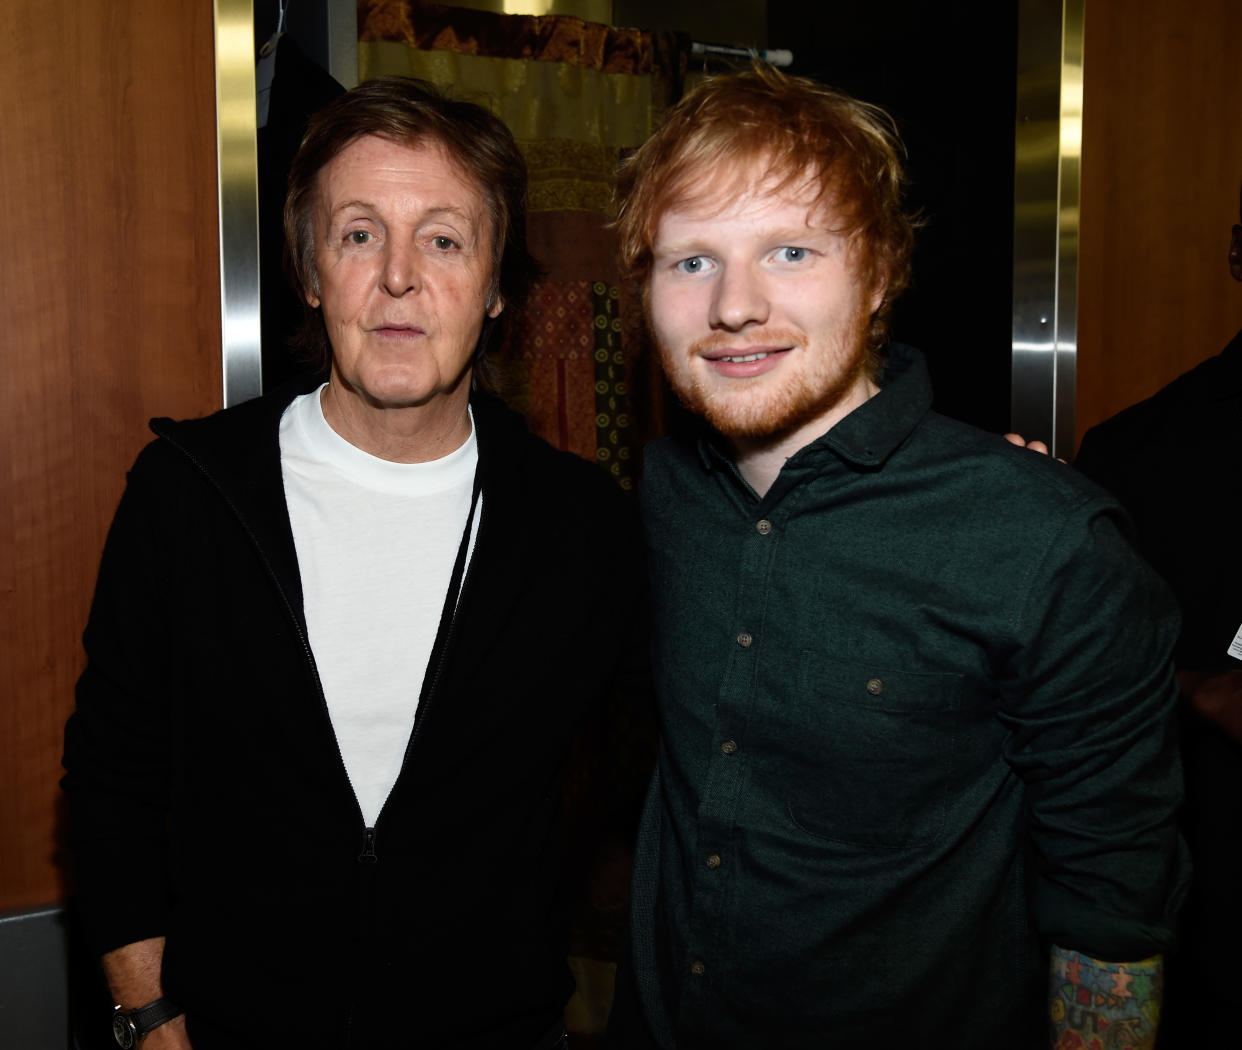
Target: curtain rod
x=774 y=57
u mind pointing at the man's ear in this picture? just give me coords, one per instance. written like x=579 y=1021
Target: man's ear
x=867 y=267
x=312 y=293
x=1235 y=253
x=879 y=289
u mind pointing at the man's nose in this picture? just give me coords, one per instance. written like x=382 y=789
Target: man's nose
x=402 y=272
x=739 y=299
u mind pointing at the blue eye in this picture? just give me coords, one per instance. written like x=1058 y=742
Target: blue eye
x=792 y=254
x=695 y=264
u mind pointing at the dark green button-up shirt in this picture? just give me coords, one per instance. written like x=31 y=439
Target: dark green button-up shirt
x=916 y=706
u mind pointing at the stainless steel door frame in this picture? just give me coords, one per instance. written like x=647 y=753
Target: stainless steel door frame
x=237 y=168
x=238 y=174
x=1047 y=162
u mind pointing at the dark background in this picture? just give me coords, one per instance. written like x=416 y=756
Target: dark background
x=947 y=74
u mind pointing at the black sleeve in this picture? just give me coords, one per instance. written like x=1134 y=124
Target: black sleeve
x=119 y=740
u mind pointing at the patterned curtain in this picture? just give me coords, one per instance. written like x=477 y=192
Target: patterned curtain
x=577 y=96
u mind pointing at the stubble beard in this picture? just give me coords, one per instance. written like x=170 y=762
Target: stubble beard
x=770 y=406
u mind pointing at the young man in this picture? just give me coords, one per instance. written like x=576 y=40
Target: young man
x=917 y=782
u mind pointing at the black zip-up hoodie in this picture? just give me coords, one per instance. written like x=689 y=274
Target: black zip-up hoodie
x=208 y=800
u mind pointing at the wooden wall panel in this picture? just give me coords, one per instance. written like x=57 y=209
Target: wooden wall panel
x=109 y=314
x=1162 y=160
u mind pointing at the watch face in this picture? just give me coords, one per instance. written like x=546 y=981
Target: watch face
x=123 y=1031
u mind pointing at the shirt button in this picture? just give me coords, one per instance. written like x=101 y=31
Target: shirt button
x=744 y=639
x=763 y=526
x=697 y=968
x=729 y=747
x=875 y=686
x=713 y=861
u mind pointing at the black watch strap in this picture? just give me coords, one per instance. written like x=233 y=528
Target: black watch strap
x=128 y=1026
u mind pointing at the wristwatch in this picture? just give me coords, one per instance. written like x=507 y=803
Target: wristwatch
x=128 y=1026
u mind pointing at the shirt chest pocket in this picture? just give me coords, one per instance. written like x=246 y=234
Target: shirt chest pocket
x=875 y=755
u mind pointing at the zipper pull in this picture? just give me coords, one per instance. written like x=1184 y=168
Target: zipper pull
x=367 y=856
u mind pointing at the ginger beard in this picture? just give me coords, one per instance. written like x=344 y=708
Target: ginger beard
x=760 y=306
x=773 y=407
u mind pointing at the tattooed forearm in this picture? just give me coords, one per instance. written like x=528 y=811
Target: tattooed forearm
x=1097 y=1005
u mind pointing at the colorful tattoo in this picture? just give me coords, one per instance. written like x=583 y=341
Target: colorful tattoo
x=1097 y=1005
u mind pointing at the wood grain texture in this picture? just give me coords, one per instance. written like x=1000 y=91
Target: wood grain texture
x=1162 y=160
x=109 y=295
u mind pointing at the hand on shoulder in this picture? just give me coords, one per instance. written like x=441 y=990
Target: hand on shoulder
x=1034 y=446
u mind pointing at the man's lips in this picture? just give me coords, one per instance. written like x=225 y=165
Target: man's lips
x=746 y=346
x=743 y=362
x=736 y=356
x=397 y=329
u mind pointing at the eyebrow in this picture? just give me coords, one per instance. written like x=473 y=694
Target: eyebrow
x=785 y=235
x=436 y=212
x=674 y=247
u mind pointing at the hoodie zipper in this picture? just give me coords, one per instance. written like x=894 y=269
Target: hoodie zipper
x=368 y=843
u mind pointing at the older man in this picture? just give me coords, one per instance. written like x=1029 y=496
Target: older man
x=341 y=641
x=917 y=782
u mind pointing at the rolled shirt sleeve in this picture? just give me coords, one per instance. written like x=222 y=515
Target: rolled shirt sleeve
x=1090 y=696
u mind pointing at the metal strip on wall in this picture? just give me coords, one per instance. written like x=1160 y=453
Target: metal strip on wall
x=342 y=57
x=238 y=174
x=1047 y=160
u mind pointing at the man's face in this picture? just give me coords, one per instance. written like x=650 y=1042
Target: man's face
x=403 y=250
x=759 y=309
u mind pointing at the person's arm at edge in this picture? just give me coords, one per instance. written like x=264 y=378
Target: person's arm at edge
x=1216 y=696
x=133 y=975
x=1088 y=997
x=120 y=885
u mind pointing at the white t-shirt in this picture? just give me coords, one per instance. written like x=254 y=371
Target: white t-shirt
x=376 y=542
